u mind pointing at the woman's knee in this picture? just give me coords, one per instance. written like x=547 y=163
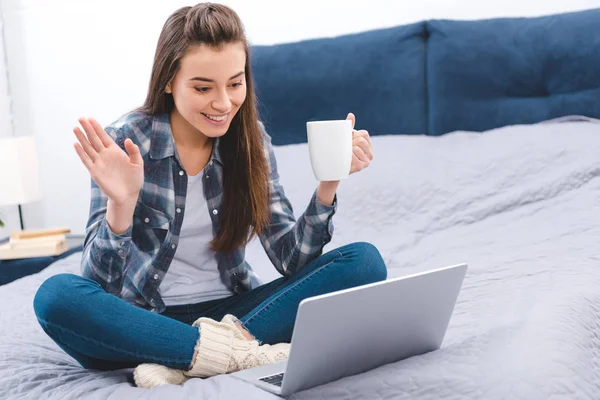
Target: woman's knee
x=59 y=295
x=368 y=263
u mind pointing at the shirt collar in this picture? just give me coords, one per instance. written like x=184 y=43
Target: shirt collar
x=162 y=144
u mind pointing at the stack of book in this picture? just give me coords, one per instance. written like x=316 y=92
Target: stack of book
x=35 y=243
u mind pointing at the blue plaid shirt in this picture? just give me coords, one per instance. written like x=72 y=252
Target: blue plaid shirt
x=132 y=265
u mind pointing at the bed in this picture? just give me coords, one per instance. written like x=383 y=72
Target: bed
x=518 y=201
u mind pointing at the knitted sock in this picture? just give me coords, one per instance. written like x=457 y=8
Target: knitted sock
x=222 y=349
x=152 y=375
x=228 y=320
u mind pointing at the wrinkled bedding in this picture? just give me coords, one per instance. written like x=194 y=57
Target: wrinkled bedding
x=519 y=204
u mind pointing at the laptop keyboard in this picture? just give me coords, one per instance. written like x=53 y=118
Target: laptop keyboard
x=273 y=379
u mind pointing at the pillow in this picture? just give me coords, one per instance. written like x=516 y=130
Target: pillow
x=506 y=71
x=377 y=75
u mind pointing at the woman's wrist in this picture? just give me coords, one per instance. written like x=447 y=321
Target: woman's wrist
x=119 y=216
x=326 y=192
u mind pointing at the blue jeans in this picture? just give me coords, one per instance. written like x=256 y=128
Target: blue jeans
x=103 y=332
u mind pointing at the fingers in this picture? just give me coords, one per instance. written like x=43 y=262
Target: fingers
x=360 y=154
x=83 y=156
x=85 y=145
x=134 y=152
x=365 y=145
x=91 y=134
x=102 y=135
x=362 y=133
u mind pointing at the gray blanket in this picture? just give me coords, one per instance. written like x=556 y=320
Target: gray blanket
x=519 y=204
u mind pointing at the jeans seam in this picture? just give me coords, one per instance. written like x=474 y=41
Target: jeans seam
x=101 y=344
x=288 y=289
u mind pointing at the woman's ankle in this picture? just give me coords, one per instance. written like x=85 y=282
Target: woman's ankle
x=244 y=331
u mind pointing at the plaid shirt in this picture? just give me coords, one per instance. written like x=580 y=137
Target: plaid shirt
x=133 y=264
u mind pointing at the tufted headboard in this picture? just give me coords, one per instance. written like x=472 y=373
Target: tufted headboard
x=434 y=77
x=486 y=74
x=378 y=75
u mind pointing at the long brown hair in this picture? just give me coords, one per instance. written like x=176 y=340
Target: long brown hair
x=245 y=206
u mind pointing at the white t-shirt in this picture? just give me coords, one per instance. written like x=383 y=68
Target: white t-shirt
x=193 y=275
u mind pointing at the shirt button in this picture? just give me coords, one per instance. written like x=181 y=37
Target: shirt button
x=123 y=243
x=181 y=173
x=210 y=163
x=146 y=220
x=178 y=211
x=155 y=277
x=151 y=301
x=206 y=176
x=173 y=246
x=120 y=252
x=215 y=212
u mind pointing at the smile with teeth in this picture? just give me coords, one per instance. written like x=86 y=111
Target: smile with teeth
x=216 y=117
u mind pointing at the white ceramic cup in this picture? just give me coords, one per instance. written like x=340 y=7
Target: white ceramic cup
x=330 y=148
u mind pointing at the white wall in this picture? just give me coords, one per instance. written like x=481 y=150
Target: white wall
x=71 y=58
x=8 y=215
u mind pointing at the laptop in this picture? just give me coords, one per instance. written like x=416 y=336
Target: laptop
x=355 y=330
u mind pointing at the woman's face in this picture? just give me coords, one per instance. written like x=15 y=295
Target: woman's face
x=210 y=87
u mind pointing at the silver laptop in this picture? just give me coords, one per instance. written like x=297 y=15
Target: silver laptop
x=351 y=331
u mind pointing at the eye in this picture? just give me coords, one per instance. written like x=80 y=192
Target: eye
x=202 y=89
x=237 y=84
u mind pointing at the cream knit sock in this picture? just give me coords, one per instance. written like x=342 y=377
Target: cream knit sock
x=222 y=349
x=227 y=321
x=152 y=375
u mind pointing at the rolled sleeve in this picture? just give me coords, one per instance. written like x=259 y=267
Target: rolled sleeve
x=319 y=218
x=105 y=254
x=291 y=244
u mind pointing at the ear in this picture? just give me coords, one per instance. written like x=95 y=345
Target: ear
x=168 y=88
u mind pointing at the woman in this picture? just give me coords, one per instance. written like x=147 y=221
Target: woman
x=179 y=186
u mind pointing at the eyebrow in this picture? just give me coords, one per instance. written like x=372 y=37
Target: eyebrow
x=199 y=78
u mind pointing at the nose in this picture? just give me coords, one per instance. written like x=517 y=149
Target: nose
x=222 y=103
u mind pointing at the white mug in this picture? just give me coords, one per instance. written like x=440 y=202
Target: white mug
x=330 y=149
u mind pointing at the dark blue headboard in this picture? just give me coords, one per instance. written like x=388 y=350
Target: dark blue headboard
x=486 y=74
x=378 y=75
x=434 y=77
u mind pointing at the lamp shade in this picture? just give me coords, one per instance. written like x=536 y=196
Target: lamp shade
x=19 y=176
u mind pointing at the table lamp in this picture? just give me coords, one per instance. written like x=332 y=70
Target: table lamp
x=19 y=174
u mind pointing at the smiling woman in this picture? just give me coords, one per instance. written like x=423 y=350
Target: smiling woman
x=203 y=79
x=179 y=187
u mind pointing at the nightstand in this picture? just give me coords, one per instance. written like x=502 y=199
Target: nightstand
x=11 y=270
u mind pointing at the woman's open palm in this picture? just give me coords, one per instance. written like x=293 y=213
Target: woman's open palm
x=120 y=175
